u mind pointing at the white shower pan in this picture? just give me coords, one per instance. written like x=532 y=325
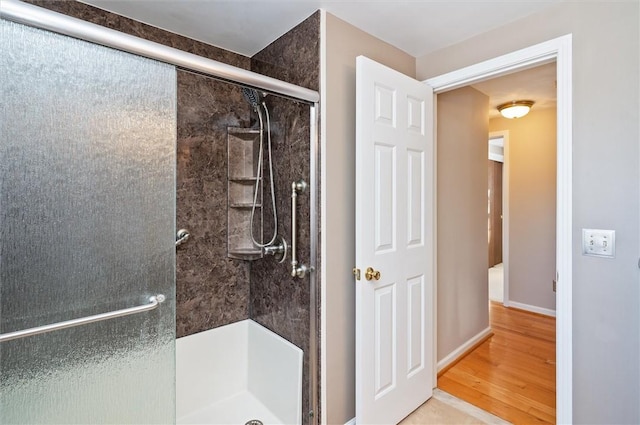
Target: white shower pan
x=238 y=373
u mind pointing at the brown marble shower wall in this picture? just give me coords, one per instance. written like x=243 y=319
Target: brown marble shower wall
x=211 y=289
x=278 y=301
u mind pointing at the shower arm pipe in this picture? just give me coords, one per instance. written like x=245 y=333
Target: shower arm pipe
x=154 y=301
x=297 y=270
x=17 y=11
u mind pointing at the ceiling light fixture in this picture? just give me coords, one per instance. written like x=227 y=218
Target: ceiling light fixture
x=516 y=108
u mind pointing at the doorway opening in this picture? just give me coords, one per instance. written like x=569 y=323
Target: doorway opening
x=521 y=189
x=485 y=374
x=495 y=217
x=558 y=50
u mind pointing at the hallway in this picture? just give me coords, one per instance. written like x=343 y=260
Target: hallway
x=511 y=374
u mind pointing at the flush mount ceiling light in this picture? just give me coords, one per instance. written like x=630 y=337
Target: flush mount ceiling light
x=515 y=109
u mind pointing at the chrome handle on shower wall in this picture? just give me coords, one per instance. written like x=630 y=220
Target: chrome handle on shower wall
x=182 y=236
x=297 y=270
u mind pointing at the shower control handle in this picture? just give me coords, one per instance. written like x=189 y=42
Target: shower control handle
x=278 y=249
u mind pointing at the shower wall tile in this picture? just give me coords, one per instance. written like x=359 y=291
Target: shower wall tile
x=278 y=301
x=211 y=289
x=294 y=57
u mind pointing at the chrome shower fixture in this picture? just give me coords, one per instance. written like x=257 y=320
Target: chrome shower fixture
x=256 y=100
x=278 y=249
x=181 y=236
x=253 y=97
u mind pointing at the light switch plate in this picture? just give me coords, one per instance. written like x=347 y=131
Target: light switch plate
x=599 y=243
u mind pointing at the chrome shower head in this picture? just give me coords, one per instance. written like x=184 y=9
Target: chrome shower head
x=252 y=96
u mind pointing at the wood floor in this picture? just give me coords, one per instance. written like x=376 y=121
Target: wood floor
x=512 y=374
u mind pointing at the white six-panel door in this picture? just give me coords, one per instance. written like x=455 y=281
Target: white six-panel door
x=394 y=235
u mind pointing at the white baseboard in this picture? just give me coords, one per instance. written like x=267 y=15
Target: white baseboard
x=455 y=354
x=531 y=308
x=351 y=422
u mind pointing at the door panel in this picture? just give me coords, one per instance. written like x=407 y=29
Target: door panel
x=384 y=195
x=416 y=315
x=394 y=221
x=415 y=188
x=87 y=165
x=386 y=339
x=495 y=213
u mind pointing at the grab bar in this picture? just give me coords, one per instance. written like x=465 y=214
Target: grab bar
x=154 y=301
x=296 y=270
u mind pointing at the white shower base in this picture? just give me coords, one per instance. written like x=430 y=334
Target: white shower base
x=237 y=373
x=237 y=409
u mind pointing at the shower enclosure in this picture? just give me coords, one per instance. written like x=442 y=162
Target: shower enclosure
x=97 y=174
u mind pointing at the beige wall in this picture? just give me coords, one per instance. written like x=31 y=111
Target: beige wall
x=606 y=134
x=343 y=43
x=462 y=285
x=532 y=206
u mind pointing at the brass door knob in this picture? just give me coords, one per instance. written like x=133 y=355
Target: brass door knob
x=371 y=274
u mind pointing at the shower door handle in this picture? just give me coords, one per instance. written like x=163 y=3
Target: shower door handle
x=297 y=270
x=154 y=301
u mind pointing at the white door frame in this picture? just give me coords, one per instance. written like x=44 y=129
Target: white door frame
x=560 y=50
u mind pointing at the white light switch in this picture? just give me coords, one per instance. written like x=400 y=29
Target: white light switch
x=599 y=243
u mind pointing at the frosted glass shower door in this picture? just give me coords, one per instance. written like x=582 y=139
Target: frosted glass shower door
x=87 y=211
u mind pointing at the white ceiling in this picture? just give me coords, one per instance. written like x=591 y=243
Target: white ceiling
x=537 y=84
x=247 y=26
x=417 y=27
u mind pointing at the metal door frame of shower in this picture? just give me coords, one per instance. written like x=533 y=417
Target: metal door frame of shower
x=34 y=16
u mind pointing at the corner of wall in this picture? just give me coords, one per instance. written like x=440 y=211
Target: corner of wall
x=322 y=417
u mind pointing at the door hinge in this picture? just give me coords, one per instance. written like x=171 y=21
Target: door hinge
x=356 y=273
